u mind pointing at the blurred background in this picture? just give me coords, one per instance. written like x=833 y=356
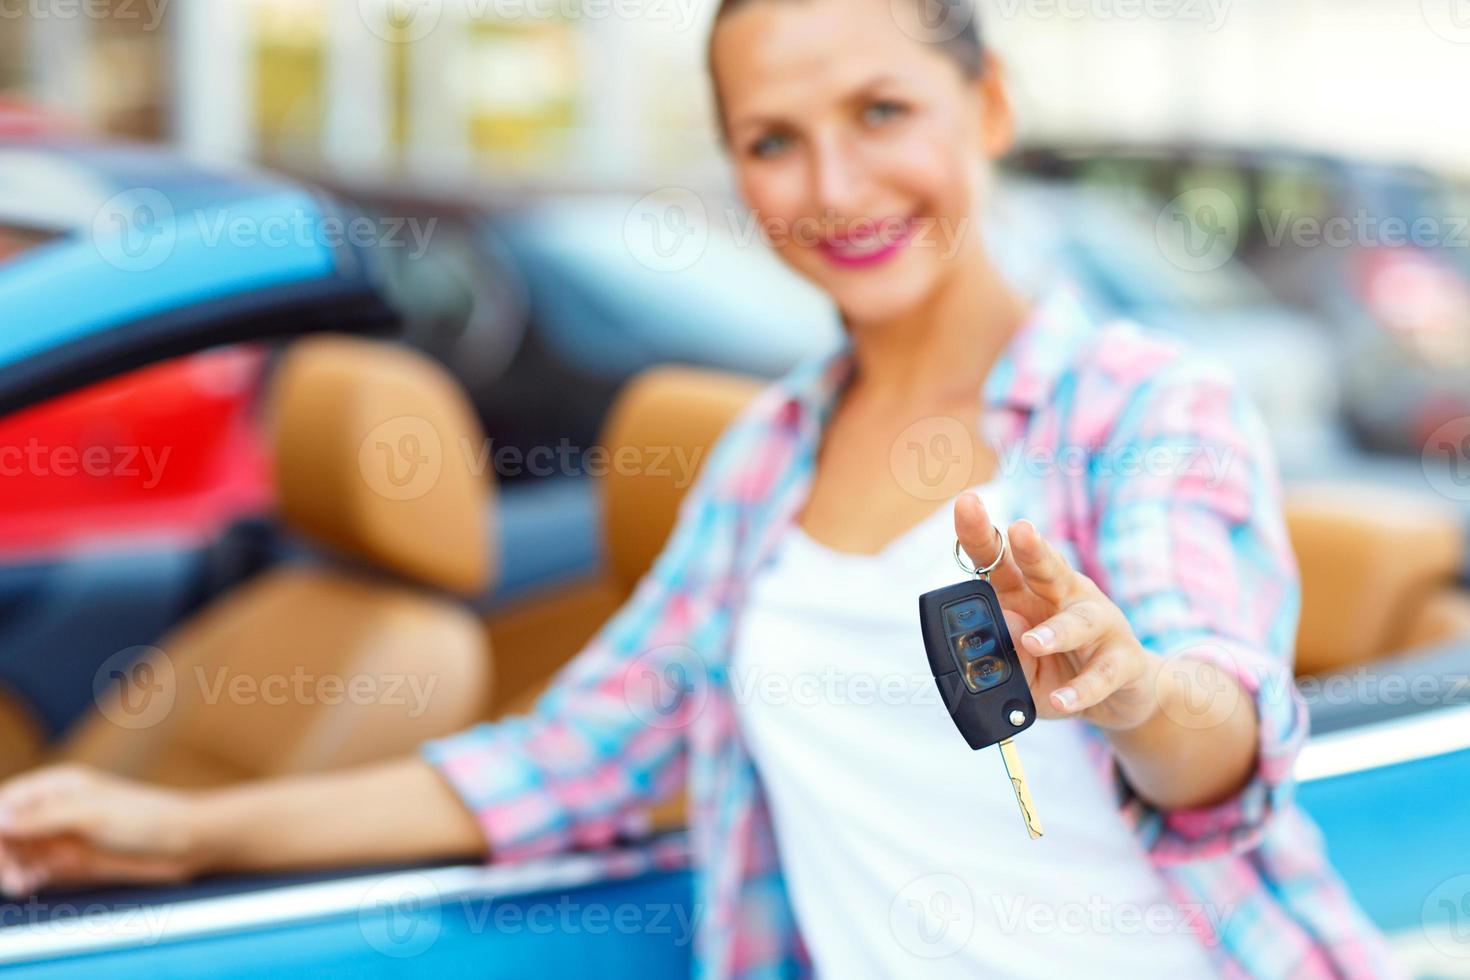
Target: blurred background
x=530 y=194
x=1312 y=144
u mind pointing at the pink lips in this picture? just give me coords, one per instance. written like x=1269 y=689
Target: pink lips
x=867 y=248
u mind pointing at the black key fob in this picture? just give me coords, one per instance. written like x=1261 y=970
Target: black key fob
x=974 y=662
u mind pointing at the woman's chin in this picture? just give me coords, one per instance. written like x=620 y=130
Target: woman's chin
x=879 y=299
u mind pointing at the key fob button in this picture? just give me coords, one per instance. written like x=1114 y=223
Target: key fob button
x=986 y=672
x=962 y=617
x=973 y=646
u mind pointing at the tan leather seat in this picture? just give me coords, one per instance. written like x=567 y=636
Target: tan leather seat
x=1438 y=617
x=1379 y=569
x=668 y=418
x=22 y=741
x=314 y=667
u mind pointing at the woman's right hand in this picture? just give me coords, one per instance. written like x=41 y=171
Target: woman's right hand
x=71 y=825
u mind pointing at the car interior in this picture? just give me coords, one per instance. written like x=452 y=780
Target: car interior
x=387 y=595
x=381 y=603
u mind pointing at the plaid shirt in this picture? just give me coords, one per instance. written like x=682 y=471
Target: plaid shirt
x=1191 y=546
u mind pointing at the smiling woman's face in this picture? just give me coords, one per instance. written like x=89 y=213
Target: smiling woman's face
x=860 y=148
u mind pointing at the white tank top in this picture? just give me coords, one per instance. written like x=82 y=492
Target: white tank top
x=903 y=849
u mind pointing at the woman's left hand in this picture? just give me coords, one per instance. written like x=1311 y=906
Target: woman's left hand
x=1078 y=652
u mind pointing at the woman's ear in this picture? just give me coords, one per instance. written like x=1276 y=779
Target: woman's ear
x=997 y=117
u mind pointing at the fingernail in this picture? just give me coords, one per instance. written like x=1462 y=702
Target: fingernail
x=1043 y=636
x=1064 y=697
x=1027 y=523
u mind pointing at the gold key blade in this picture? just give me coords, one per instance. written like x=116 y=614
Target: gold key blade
x=1012 y=760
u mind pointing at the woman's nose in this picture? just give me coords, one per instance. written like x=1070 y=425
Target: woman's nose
x=837 y=178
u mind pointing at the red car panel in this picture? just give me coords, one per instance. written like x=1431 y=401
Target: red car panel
x=171 y=450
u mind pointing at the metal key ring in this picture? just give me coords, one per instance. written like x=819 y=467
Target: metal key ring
x=981 y=573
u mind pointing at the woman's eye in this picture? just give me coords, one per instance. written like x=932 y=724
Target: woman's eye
x=881 y=112
x=769 y=146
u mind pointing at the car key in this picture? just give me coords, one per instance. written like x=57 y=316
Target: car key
x=978 y=673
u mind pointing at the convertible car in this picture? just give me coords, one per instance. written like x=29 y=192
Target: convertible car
x=386 y=535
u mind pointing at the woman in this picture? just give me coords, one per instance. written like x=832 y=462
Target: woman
x=852 y=831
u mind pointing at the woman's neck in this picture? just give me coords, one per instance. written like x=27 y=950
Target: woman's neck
x=942 y=350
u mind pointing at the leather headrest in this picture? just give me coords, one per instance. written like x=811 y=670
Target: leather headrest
x=658 y=434
x=1366 y=555
x=374 y=457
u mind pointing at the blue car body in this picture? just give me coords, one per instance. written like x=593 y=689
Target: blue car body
x=145 y=257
